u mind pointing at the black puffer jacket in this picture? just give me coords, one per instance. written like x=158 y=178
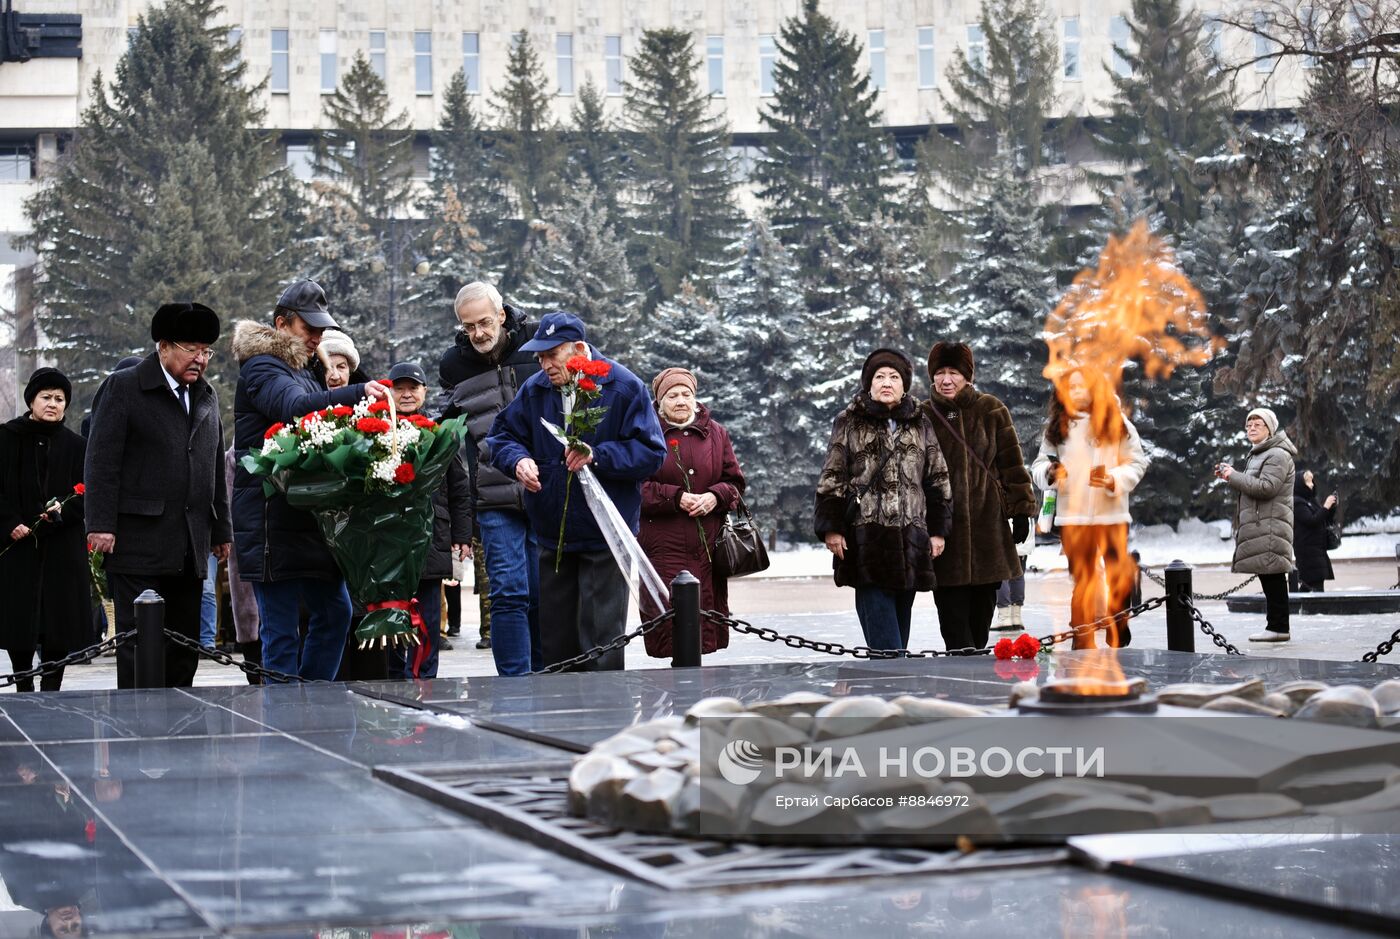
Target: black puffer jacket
x=481 y=387
x=452 y=520
x=273 y=540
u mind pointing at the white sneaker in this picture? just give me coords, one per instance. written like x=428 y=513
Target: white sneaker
x=1004 y=619
x=1268 y=636
x=1016 y=616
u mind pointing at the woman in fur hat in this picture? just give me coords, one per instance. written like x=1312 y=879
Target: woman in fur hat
x=882 y=503
x=990 y=485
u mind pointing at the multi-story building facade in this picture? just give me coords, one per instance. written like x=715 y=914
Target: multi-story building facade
x=303 y=47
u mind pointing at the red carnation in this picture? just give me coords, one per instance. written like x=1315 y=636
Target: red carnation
x=371 y=425
x=1026 y=646
x=403 y=473
x=79 y=489
x=379 y=407
x=587 y=384
x=342 y=411
x=675 y=444
x=273 y=431
x=597 y=368
x=418 y=420
x=1004 y=649
x=577 y=363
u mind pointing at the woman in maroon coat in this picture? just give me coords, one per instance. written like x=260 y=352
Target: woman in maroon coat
x=699 y=482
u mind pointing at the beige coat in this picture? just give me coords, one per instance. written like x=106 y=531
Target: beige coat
x=1078 y=503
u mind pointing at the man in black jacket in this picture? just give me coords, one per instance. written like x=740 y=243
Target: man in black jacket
x=156 y=499
x=480 y=376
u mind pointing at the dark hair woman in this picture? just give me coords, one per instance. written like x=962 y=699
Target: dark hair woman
x=1093 y=459
x=44 y=570
x=1311 y=520
x=883 y=500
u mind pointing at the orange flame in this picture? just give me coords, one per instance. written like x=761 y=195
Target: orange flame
x=1136 y=305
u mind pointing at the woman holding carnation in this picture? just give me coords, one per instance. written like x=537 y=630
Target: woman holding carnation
x=684 y=504
x=44 y=566
x=882 y=504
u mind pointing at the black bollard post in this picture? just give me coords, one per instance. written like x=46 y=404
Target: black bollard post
x=1181 y=634
x=150 y=640
x=685 y=626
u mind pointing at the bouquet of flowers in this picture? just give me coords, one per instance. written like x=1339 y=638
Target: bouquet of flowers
x=368 y=476
x=580 y=419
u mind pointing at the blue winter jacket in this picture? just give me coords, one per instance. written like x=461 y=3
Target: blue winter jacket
x=628 y=447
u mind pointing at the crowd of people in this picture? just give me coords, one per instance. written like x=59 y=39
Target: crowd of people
x=914 y=495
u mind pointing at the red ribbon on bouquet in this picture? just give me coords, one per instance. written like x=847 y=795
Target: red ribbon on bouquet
x=421 y=653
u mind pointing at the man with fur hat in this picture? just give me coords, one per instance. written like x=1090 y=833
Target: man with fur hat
x=280 y=549
x=156 y=502
x=990 y=485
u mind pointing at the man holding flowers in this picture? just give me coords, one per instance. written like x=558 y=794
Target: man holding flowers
x=279 y=548
x=605 y=411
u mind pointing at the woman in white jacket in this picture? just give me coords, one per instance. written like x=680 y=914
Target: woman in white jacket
x=1093 y=465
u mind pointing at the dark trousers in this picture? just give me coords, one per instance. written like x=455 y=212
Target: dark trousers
x=452 y=597
x=1275 y=602
x=22 y=660
x=885 y=616
x=420 y=661
x=965 y=614
x=182 y=595
x=582 y=605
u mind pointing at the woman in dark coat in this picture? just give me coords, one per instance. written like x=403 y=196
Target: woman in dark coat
x=44 y=570
x=686 y=500
x=1310 y=524
x=883 y=500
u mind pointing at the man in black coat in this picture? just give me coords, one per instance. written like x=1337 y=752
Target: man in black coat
x=480 y=377
x=156 y=499
x=280 y=549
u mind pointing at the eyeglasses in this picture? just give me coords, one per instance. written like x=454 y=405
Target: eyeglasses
x=206 y=353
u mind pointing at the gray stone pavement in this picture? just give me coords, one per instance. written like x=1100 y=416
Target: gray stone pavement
x=819 y=610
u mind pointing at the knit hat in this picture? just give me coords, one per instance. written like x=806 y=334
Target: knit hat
x=670 y=378
x=886 y=358
x=335 y=342
x=950 y=355
x=45 y=378
x=1266 y=415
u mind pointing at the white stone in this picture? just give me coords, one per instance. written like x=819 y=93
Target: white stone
x=1350 y=705
x=588 y=772
x=849 y=717
x=1233 y=705
x=712 y=709
x=798 y=702
x=647 y=802
x=1387 y=695
x=764 y=733
x=1023 y=691
x=920 y=710
x=1195 y=695
x=623 y=744
x=1301 y=690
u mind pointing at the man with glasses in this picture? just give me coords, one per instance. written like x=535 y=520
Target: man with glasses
x=279 y=548
x=156 y=501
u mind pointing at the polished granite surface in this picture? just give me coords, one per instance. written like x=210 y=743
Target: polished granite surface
x=254 y=811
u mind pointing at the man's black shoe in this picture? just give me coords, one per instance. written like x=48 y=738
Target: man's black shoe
x=483 y=643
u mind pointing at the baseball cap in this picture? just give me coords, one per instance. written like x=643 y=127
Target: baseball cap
x=306 y=299
x=556 y=328
x=408 y=370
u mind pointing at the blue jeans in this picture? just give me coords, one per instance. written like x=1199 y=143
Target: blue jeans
x=420 y=661
x=209 y=605
x=513 y=573
x=884 y=616
x=279 y=608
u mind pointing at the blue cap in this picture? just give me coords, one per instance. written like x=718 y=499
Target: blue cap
x=556 y=328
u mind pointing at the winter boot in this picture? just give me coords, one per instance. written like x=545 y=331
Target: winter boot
x=1004 y=619
x=1016 y=616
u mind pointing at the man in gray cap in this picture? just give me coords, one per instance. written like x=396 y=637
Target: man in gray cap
x=279 y=548
x=156 y=502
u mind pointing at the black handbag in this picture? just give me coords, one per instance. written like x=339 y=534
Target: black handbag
x=739 y=549
x=1334 y=537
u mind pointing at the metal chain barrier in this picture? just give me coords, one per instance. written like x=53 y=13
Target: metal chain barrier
x=1054 y=639
x=1384 y=648
x=72 y=658
x=605 y=648
x=223 y=658
x=1161 y=582
x=1209 y=630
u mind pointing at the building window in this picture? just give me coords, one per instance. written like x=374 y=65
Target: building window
x=1263 y=45
x=471 y=62
x=1118 y=36
x=1072 y=48
x=234 y=39
x=928 y=76
x=327 y=61
x=714 y=64
x=423 y=63
x=976 y=47
x=564 y=62
x=877 y=59
x=281 y=71
x=612 y=63
x=301 y=160
x=378 y=54
x=16 y=164
x=767 y=57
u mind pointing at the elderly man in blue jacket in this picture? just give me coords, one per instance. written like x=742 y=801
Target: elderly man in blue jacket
x=584 y=602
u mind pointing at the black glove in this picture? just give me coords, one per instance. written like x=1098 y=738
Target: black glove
x=1020 y=528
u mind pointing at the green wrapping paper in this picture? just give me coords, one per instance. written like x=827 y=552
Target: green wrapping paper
x=379 y=534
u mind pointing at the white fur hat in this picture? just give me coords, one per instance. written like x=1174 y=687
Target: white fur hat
x=335 y=342
x=1266 y=415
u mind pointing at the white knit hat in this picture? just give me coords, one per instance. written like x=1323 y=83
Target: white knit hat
x=1266 y=415
x=335 y=342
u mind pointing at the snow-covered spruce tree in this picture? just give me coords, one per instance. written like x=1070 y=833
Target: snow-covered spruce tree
x=364 y=168
x=167 y=190
x=595 y=148
x=1172 y=107
x=686 y=331
x=680 y=214
x=827 y=161
x=529 y=153
x=581 y=266
x=775 y=396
